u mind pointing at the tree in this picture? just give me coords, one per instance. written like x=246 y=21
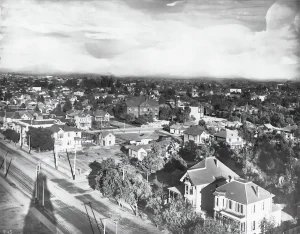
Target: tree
x=188 y=151
x=67 y=106
x=41 y=98
x=210 y=226
x=128 y=117
x=78 y=105
x=37 y=109
x=152 y=162
x=40 y=138
x=178 y=216
x=23 y=106
x=12 y=135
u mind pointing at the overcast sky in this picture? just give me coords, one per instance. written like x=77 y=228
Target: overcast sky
x=210 y=38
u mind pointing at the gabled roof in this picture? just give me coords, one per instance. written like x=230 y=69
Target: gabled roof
x=105 y=134
x=178 y=127
x=100 y=113
x=137 y=101
x=65 y=128
x=194 y=130
x=208 y=170
x=138 y=147
x=245 y=192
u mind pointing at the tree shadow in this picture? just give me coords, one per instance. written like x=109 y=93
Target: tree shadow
x=39 y=210
x=95 y=166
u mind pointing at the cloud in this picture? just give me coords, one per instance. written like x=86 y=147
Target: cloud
x=193 y=38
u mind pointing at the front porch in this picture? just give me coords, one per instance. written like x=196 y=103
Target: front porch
x=232 y=221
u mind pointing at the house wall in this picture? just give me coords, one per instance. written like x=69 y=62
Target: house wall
x=109 y=140
x=197 y=112
x=67 y=139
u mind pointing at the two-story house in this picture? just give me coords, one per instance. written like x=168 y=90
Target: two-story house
x=101 y=115
x=197 y=112
x=199 y=182
x=83 y=121
x=243 y=204
x=197 y=134
x=141 y=105
x=66 y=138
x=231 y=137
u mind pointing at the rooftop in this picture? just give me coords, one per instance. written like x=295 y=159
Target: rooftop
x=208 y=170
x=243 y=191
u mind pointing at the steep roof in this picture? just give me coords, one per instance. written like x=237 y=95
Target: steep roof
x=137 y=101
x=244 y=192
x=65 y=128
x=208 y=170
x=194 y=130
x=178 y=127
x=100 y=113
x=105 y=134
x=138 y=147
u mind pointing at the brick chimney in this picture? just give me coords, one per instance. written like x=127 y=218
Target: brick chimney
x=257 y=191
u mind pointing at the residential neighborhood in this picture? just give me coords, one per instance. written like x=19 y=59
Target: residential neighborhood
x=210 y=151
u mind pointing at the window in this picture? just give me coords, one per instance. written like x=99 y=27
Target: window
x=229 y=139
x=238 y=139
x=230 y=204
x=243 y=227
x=223 y=202
x=191 y=190
x=109 y=143
x=217 y=201
x=186 y=189
x=253 y=208
x=253 y=225
x=263 y=206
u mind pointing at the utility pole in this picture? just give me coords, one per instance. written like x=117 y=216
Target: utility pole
x=4 y=168
x=104 y=224
x=37 y=184
x=43 y=202
x=74 y=164
x=29 y=139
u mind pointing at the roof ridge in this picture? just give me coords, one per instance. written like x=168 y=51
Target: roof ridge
x=246 y=193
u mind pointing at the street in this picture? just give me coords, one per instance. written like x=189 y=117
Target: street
x=65 y=202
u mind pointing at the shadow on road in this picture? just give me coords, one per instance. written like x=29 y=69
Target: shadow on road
x=31 y=225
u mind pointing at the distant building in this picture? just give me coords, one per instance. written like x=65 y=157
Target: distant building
x=197 y=134
x=231 y=137
x=101 y=115
x=66 y=137
x=138 y=151
x=106 y=139
x=177 y=129
x=83 y=121
x=141 y=105
x=197 y=112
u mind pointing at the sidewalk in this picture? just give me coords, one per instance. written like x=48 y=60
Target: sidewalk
x=128 y=223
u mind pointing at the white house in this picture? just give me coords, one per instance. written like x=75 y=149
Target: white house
x=197 y=134
x=199 y=182
x=65 y=137
x=138 y=151
x=36 y=89
x=197 y=112
x=79 y=93
x=233 y=90
x=106 y=138
x=101 y=115
x=83 y=121
x=245 y=204
x=177 y=129
x=231 y=137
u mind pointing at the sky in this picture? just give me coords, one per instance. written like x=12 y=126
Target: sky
x=258 y=39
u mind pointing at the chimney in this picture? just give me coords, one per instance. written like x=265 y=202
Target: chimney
x=216 y=162
x=257 y=191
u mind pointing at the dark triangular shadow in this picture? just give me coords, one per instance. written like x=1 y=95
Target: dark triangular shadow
x=39 y=210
